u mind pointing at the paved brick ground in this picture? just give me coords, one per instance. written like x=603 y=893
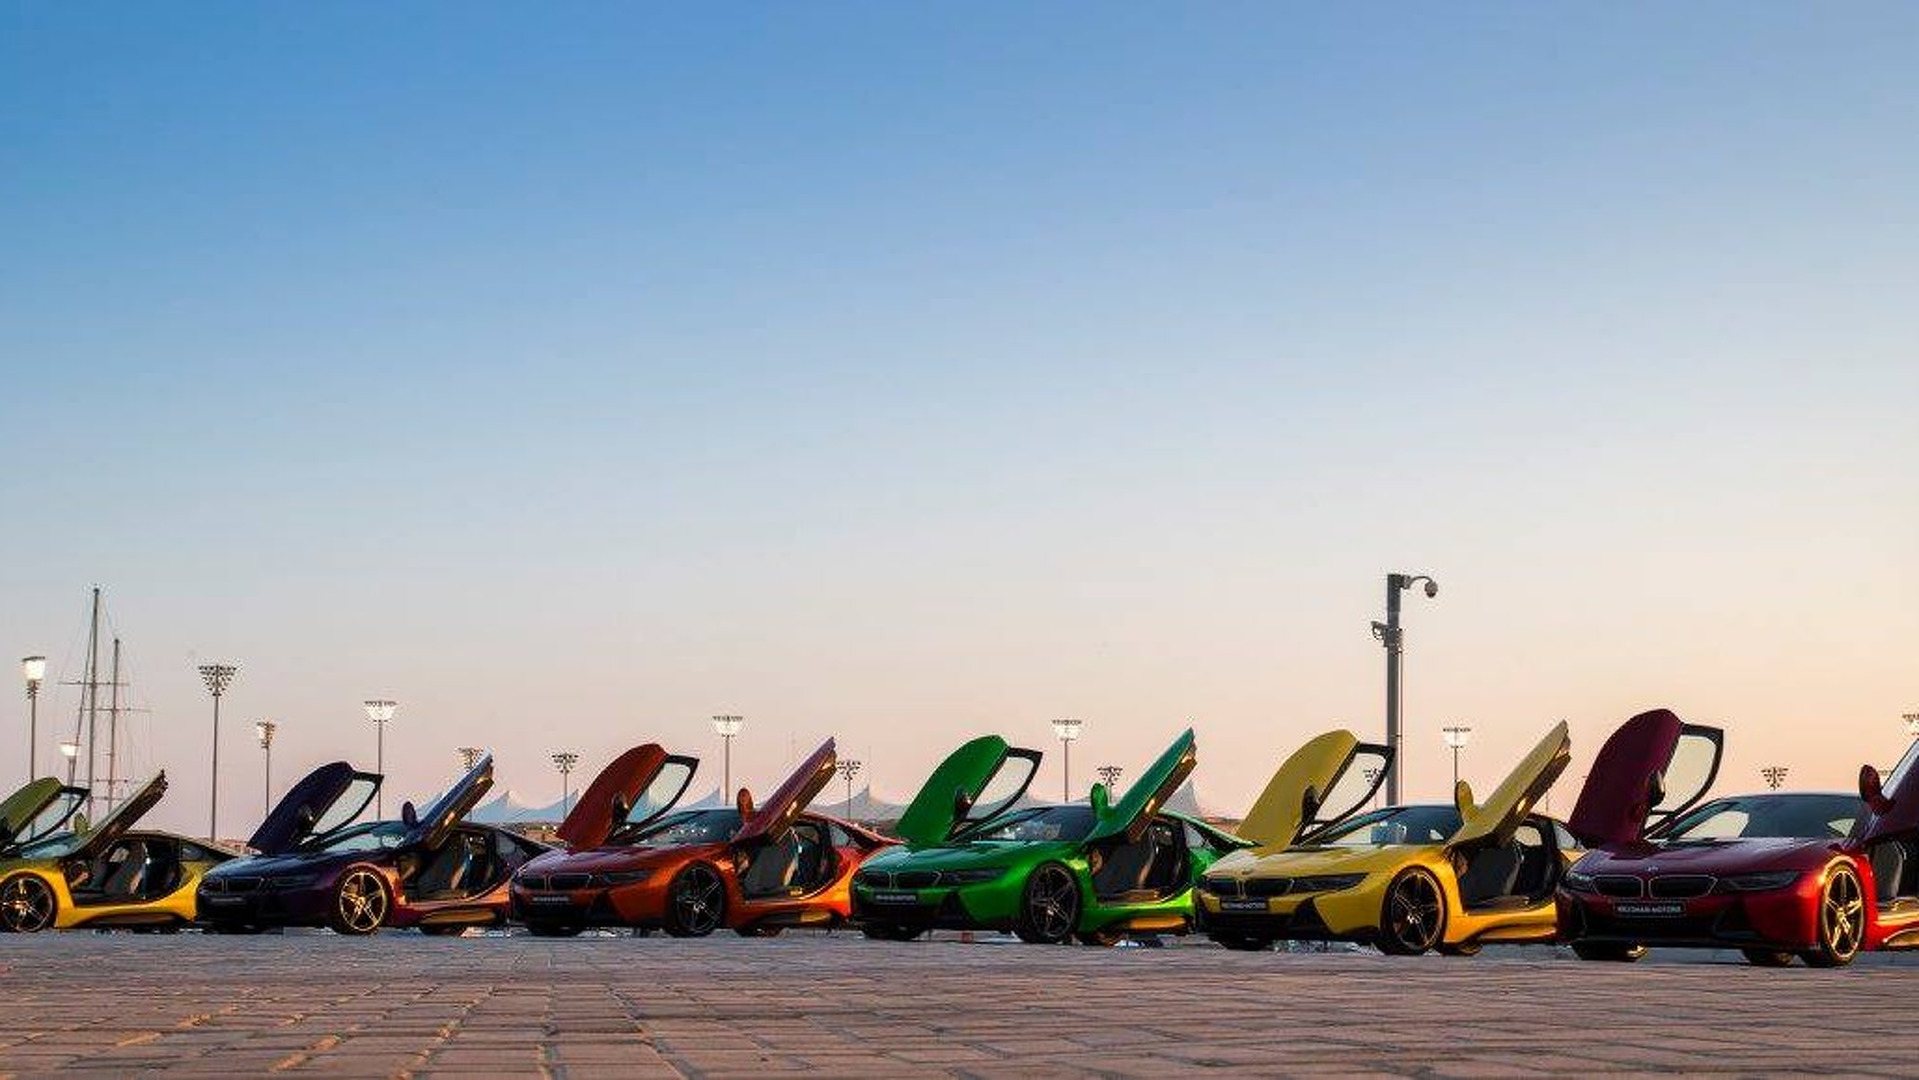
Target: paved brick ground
x=402 y=1004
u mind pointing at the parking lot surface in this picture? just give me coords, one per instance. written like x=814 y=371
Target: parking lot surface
x=399 y=1004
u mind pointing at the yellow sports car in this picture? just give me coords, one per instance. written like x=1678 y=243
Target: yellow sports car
x=104 y=876
x=1404 y=878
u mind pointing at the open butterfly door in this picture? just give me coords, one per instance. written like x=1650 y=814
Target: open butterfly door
x=774 y=816
x=1654 y=767
x=1319 y=785
x=635 y=789
x=325 y=799
x=431 y=827
x=1132 y=812
x=1495 y=820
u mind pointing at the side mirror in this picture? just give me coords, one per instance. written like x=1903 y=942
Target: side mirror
x=622 y=806
x=408 y=815
x=1463 y=799
x=1872 y=789
x=81 y=826
x=1100 y=800
x=744 y=803
x=1309 y=803
x=962 y=802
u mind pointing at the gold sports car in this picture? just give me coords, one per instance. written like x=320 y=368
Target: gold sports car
x=1405 y=878
x=104 y=876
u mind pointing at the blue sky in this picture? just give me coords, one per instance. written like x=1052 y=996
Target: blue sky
x=906 y=372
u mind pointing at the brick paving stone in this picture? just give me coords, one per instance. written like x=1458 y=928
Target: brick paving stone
x=402 y=1005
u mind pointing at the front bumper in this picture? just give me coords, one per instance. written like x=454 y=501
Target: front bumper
x=955 y=907
x=1343 y=915
x=1780 y=918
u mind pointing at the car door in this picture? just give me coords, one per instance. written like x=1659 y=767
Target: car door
x=123 y=817
x=1130 y=815
x=328 y=798
x=1652 y=768
x=38 y=810
x=1897 y=812
x=982 y=778
x=770 y=820
x=430 y=828
x=637 y=787
x=1493 y=821
x=1320 y=784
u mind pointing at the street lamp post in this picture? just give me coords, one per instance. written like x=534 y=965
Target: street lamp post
x=850 y=769
x=380 y=711
x=1067 y=730
x=265 y=729
x=564 y=761
x=1775 y=776
x=1457 y=735
x=218 y=677
x=35 y=669
x=727 y=726
x=71 y=751
x=1109 y=775
x=1394 y=639
x=470 y=756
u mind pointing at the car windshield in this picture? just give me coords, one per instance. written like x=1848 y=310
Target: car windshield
x=686 y=827
x=1038 y=824
x=373 y=836
x=1393 y=825
x=1803 y=817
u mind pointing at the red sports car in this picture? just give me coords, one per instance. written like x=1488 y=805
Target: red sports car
x=632 y=861
x=1779 y=875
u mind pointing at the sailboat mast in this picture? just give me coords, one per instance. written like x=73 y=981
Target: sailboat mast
x=113 y=728
x=93 y=689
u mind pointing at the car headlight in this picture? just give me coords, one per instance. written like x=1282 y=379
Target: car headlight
x=622 y=877
x=1578 y=882
x=1326 y=883
x=297 y=881
x=972 y=876
x=1771 y=879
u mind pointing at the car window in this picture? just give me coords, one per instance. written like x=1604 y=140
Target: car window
x=687 y=827
x=376 y=836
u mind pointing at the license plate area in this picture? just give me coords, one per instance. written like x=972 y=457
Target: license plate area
x=1650 y=909
x=895 y=898
x=1243 y=905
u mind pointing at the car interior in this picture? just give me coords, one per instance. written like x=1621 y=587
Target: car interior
x=1895 y=876
x=797 y=863
x=1516 y=874
x=1147 y=870
x=129 y=870
x=468 y=864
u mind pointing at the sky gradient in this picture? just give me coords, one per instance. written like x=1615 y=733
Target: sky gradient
x=909 y=372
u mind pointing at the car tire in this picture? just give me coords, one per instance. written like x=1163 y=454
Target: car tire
x=554 y=930
x=1243 y=942
x=1842 y=919
x=695 y=902
x=361 y=902
x=27 y=904
x=1049 y=906
x=1608 y=952
x=1413 y=918
x=889 y=932
x=1774 y=958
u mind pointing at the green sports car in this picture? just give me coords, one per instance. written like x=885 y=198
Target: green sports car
x=1095 y=870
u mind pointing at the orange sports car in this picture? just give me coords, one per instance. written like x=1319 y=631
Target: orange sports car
x=631 y=860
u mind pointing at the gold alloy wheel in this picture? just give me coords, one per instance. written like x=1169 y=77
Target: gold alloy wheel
x=26 y=905
x=1842 y=919
x=361 y=905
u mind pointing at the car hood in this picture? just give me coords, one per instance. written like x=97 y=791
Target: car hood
x=618 y=858
x=1302 y=861
x=967 y=856
x=1710 y=856
x=302 y=863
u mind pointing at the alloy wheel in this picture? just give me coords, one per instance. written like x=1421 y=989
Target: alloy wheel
x=698 y=902
x=1415 y=915
x=1051 y=906
x=361 y=903
x=1842 y=919
x=26 y=905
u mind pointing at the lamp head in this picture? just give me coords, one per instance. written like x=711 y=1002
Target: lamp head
x=1432 y=588
x=1067 y=730
x=380 y=711
x=35 y=669
x=728 y=726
